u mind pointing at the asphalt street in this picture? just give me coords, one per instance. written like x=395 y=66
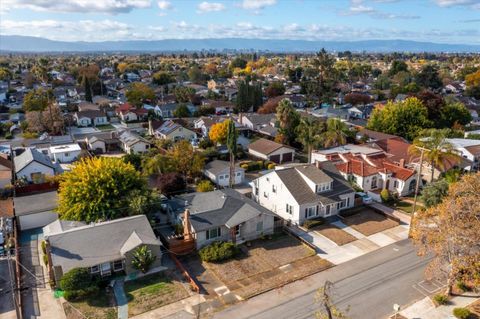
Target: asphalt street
x=365 y=288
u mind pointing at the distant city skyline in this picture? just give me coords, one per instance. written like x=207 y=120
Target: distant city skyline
x=444 y=21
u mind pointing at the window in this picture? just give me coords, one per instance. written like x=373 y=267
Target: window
x=374 y=182
x=105 y=269
x=94 y=269
x=260 y=226
x=67 y=154
x=274 y=189
x=265 y=194
x=213 y=233
x=239 y=174
x=289 y=209
x=220 y=177
x=227 y=176
x=395 y=184
x=310 y=211
x=118 y=265
x=256 y=191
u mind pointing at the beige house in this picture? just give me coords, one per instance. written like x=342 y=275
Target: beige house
x=272 y=151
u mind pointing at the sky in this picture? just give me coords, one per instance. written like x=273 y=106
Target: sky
x=443 y=21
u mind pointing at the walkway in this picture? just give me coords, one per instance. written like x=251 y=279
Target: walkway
x=425 y=309
x=121 y=298
x=404 y=218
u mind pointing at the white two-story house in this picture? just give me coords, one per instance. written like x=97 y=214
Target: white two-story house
x=303 y=191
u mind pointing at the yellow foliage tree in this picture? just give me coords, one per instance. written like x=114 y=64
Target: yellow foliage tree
x=218 y=132
x=473 y=79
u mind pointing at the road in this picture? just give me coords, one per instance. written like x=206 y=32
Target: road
x=369 y=286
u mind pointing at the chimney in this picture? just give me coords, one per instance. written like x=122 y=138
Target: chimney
x=318 y=164
x=187 y=235
x=402 y=162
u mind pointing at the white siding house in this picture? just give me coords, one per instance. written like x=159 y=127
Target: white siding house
x=219 y=173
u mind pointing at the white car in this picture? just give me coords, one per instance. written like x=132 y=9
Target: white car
x=365 y=198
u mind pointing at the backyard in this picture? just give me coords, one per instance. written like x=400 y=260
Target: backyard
x=153 y=291
x=100 y=305
x=267 y=264
x=335 y=234
x=369 y=222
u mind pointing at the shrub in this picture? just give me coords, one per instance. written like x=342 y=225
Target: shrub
x=76 y=279
x=205 y=186
x=74 y=295
x=8 y=136
x=143 y=258
x=440 y=299
x=271 y=166
x=206 y=143
x=218 y=251
x=244 y=166
x=462 y=286
x=385 y=196
x=461 y=313
x=310 y=223
x=29 y=135
x=44 y=247
x=45 y=260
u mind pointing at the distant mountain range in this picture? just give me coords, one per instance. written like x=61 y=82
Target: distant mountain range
x=13 y=43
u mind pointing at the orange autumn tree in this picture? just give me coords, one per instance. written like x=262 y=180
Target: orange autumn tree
x=218 y=132
x=451 y=232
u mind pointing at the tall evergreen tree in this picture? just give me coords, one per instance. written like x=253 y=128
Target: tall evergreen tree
x=88 y=91
x=232 y=148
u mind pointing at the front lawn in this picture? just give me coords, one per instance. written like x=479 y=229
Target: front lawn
x=106 y=127
x=369 y=222
x=335 y=234
x=153 y=291
x=100 y=305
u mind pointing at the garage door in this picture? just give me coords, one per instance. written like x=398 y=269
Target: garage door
x=36 y=220
x=287 y=157
x=275 y=158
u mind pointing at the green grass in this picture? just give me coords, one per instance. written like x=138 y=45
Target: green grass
x=99 y=305
x=106 y=127
x=406 y=207
x=152 y=284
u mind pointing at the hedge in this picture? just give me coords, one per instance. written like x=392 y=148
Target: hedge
x=218 y=251
x=440 y=299
x=461 y=313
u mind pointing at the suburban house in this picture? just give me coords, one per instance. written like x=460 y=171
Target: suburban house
x=272 y=151
x=299 y=192
x=221 y=215
x=255 y=121
x=174 y=131
x=33 y=166
x=104 y=248
x=34 y=211
x=90 y=118
x=166 y=110
x=468 y=149
x=205 y=123
x=102 y=142
x=65 y=153
x=132 y=143
x=219 y=173
x=128 y=113
x=5 y=171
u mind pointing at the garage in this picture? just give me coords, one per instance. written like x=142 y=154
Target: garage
x=287 y=157
x=34 y=211
x=275 y=158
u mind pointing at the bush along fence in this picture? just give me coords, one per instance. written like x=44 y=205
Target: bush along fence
x=193 y=283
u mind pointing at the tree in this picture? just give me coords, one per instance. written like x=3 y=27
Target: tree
x=88 y=91
x=162 y=78
x=181 y=111
x=185 y=160
x=433 y=102
x=50 y=120
x=438 y=151
x=433 y=193
x=397 y=66
x=357 y=98
x=274 y=89
x=335 y=134
x=330 y=311
x=143 y=258
x=218 y=132
x=238 y=63
x=308 y=133
x=473 y=84
x=405 y=118
x=205 y=186
x=133 y=159
x=454 y=113
x=170 y=183
x=99 y=189
x=288 y=120
x=232 y=149
x=37 y=100
x=195 y=75
x=428 y=77
x=326 y=79
x=248 y=96
x=449 y=231
x=138 y=93
x=183 y=94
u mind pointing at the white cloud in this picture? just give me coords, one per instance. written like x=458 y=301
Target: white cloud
x=357 y=7
x=256 y=5
x=82 y=6
x=165 y=5
x=475 y=4
x=210 y=7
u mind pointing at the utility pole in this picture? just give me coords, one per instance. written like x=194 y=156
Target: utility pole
x=419 y=177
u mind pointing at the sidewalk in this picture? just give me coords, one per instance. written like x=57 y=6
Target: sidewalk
x=184 y=305
x=425 y=309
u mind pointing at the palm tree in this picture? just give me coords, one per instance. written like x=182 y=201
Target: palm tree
x=336 y=133
x=437 y=148
x=143 y=258
x=232 y=148
x=308 y=134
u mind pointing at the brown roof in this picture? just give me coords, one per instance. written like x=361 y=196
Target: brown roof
x=6 y=163
x=265 y=146
x=376 y=135
x=6 y=207
x=474 y=149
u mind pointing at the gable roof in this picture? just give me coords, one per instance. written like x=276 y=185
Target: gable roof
x=217 y=166
x=129 y=138
x=224 y=207
x=31 y=155
x=168 y=127
x=91 y=114
x=265 y=146
x=93 y=244
x=37 y=203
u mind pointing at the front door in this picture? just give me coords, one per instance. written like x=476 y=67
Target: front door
x=327 y=211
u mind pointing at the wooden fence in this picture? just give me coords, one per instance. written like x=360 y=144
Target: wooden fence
x=193 y=283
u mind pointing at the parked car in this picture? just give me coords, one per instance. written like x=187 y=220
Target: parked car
x=365 y=198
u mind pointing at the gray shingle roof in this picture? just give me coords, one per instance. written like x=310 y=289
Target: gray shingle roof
x=37 y=203
x=130 y=138
x=216 y=167
x=224 y=207
x=93 y=244
x=303 y=194
x=314 y=174
x=30 y=155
